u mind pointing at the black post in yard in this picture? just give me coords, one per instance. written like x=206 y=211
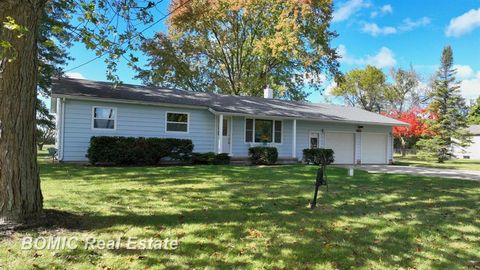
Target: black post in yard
x=319 y=181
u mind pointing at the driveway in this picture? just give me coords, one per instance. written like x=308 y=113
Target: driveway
x=441 y=173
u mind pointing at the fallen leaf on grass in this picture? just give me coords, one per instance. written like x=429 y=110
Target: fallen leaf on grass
x=255 y=233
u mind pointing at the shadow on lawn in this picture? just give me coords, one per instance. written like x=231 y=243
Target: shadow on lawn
x=369 y=218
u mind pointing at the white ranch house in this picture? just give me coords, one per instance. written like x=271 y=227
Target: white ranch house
x=216 y=123
x=473 y=150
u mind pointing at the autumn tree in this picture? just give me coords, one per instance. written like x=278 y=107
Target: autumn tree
x=240 y=46
x=449 y=125
x=407 y=136
x=108 y=27
x=364 y=88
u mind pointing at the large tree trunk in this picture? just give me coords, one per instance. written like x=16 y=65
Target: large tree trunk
x=21 y=199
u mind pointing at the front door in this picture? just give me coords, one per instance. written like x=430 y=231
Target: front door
x=226 y=136
x=314 y=140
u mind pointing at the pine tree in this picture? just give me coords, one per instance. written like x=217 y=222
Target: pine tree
x=447 y=107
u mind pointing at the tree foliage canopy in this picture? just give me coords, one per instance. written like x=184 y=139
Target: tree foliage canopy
x=405 y=93
x=241 y=46
x=474 y=113
x=364 y=88
x=368 y=89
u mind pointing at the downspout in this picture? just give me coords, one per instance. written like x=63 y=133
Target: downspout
x=62 y=129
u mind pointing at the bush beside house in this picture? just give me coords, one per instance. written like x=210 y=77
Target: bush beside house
x=262 y=155
x=210 y=158
x=114 y=150
x=318 y=155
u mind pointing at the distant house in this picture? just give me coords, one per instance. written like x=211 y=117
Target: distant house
x=472 y=151
x=216 y=123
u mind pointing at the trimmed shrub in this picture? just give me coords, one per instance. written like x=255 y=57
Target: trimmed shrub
x=262 y=155
x=210 y=158
x=137 y=150
x=221 y=159
x=317 y=155
x=203 y=158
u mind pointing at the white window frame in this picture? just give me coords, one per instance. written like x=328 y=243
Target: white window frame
x=177 y=132
x=114 y=118
x=253 y=138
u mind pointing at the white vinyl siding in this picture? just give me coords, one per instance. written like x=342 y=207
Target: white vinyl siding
x=132 y=121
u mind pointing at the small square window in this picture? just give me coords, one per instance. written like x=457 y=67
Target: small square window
x=104 y=118
x=177 y=122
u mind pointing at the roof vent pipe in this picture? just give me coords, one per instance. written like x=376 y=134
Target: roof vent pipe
x=268 y=92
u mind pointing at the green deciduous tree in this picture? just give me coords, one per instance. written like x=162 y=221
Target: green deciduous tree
x=364 y=88
x=241 y=46
x=447 y=105
x=405 y=93
x=474 y=113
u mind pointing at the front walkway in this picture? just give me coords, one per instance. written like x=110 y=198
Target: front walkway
x=441 y=173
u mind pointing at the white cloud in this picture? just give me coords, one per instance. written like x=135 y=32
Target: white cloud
x=348 y=9
x=383 y=10
x=470 y=88
x=74 y=75
x=463 y=71
x=463 y=24
x=384 y=58
x=386 y=9
x=374 y=30
x=409 y=24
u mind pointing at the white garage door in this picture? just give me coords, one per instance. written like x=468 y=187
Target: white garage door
x=343 y=145
x=374 y=148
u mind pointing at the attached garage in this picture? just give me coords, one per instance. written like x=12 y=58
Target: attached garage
x=343 y=145
x=374 y=148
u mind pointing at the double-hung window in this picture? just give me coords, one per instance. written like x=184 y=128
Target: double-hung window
x=263 y=131
x=177 y=122
x=104 y=118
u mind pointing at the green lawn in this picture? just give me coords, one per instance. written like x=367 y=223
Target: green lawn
x=460 y=164
x=256 y=218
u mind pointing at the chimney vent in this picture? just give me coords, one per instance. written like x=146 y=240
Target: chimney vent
x=268 y=92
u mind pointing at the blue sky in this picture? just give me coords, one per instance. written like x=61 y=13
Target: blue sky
x=381 y=33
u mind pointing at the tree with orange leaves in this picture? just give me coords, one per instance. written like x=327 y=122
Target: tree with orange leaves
x=418 y=127
x=241 y=46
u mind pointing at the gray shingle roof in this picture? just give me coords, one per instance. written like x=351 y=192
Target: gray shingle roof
x=218 y=103
x=474 y=129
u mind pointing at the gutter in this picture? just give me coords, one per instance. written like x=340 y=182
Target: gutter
x=127 y=101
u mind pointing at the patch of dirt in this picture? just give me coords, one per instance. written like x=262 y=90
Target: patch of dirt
x=52 y=220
